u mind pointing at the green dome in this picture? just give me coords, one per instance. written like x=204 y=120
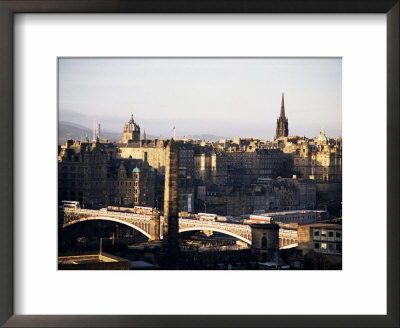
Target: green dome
x=322 y=137
x=136 y=170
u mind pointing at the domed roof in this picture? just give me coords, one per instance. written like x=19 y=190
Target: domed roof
x=322 y=137
x=136 y=170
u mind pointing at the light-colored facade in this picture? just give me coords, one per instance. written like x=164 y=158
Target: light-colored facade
x=319 y=159
x=320 y=238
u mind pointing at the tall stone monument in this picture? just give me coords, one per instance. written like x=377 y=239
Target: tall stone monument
x=171 y=221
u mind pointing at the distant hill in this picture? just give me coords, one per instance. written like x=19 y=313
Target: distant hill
x=69 y=130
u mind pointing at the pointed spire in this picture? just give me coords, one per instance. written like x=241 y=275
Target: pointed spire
x=283 y=106
x=282 y=128
x=144 y=135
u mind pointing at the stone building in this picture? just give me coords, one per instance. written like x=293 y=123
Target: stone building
x=202 y=163
x=321 y=238
x=186 y=194
x=240 y=161
x=91 y=174
x=134 y=183
x=219 y=172
x=319 y=158
x=151 y=151
x=185 y=159
x=263 y=196
x=83 y=172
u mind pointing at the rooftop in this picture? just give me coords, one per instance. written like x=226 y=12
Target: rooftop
x=92 y=261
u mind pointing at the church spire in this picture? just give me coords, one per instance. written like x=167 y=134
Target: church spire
x=282 y=126
x=283 y=106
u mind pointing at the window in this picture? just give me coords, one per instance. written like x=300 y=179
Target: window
x=263 y=242
x=316 y=246
x=338 y=235
x=330 y=247
x=316 y=233
x=330 y=234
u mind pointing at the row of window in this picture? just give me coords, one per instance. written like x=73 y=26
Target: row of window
x=330 y=234
x=328 y=246
x=126 y=183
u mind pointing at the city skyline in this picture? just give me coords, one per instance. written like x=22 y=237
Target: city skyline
x=153 y=190
x=223 y=97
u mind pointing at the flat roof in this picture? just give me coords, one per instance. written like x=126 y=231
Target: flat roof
x=324 y=225
x=89 y=258
x=290 y=212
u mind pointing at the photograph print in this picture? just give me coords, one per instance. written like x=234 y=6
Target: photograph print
x=199 y=163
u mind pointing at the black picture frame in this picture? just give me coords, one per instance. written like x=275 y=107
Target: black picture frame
x=7 y=10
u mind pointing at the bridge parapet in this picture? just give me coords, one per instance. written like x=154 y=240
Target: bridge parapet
x=136 y=221
x=80 y=212
x=240 y=231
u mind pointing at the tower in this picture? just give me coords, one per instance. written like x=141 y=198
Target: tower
x=131 y=132
x=282 y=129
x=155 y=226
x=171 y=221
x=264 y=241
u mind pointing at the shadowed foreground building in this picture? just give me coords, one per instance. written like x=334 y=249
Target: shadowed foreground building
x=90 y=173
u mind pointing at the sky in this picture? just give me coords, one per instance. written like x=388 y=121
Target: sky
x=227 y=97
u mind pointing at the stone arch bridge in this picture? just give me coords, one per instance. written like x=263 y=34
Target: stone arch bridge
x=143 y=224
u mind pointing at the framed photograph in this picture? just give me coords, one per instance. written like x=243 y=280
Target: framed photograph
x=171 y=121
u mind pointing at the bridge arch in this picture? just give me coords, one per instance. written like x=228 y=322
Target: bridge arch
x=216 y=230
x=107 y=218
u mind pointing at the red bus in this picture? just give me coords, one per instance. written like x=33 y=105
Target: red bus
x=260 y=219
x=206 y=216
x=143 y=210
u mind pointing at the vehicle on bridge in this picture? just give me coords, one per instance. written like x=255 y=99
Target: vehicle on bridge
x=136 y=210
x=206 y=217
x=143 y=210
x=260 y=219
x=70 y=204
